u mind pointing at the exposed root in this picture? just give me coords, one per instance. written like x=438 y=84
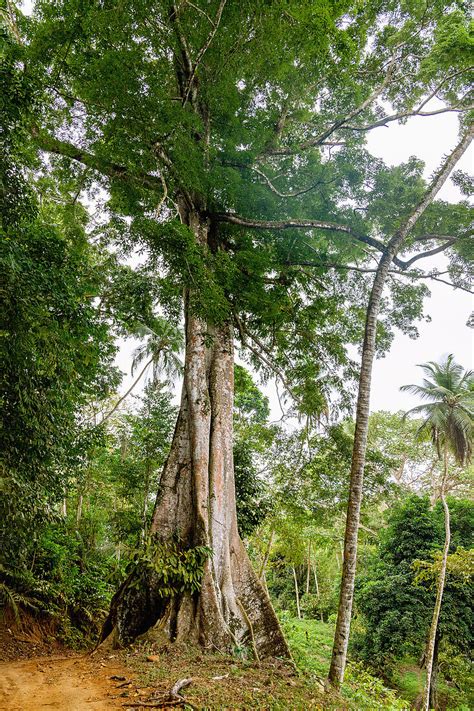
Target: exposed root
x=180 y=684
x=250 y=626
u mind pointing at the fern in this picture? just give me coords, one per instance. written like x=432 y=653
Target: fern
x=13 y=600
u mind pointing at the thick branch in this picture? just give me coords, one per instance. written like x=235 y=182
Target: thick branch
x=304 y=224
x=430 y=252
x=297 y=224
x=48 y=143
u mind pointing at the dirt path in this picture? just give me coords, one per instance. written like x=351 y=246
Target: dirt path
x=66 y=684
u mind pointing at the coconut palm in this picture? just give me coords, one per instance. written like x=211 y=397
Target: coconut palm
x=164 y=342
x=448 y=415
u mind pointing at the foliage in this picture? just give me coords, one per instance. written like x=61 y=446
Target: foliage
x=176 y=569
x=395 y=612
x=55 y=353
x=448 y=413
x=60 y=586
x=236 y=136
x=311 y=644
x=200 y=112
x=252 y=438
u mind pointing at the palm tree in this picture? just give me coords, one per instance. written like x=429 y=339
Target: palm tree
x=448 y=416
x=160 y=351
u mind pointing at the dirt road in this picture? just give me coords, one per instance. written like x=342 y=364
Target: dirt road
x=66 y=684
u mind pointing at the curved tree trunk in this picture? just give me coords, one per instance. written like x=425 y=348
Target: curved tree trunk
x=196 y=503
x=341 y=636
x=431 y=650
x=434 y=675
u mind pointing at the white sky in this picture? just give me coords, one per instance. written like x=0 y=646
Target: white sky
x=429 y=138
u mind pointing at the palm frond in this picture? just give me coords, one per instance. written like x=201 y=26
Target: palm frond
x=448 y=415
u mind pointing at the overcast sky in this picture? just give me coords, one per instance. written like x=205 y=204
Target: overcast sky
x=429 y=138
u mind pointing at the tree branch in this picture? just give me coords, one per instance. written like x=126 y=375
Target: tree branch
x=342 y=123
x=427 y=237
x=430 y=252
x=267 y=358
x=125 y=395
x=406 y=114
x=203 y=50
x=368 y=270
x=319 y=140
x=50 y=144
x=301 y=224
x=435 y=186
x=272 y=187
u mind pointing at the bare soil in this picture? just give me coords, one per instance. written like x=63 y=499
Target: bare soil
x=36 y=674
x=63 y=683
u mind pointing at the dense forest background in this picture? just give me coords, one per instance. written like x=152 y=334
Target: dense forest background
x=153 y=191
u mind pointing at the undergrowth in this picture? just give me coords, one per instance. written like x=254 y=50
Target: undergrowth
x=311 y=644
x=68 y=591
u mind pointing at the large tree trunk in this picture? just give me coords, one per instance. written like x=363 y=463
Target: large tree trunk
x=341 y=636
x=431 y=649
x=196 y=504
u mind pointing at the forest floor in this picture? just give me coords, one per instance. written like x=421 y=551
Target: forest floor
x=139 y=680
x=36 y=674
x=144 y=675
x=63 y=683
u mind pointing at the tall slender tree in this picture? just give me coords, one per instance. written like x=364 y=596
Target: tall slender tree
x=341 y=637
x=230 y=138
x=449 y=416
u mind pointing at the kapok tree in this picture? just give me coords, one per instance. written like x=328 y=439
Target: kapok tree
x=231 y=136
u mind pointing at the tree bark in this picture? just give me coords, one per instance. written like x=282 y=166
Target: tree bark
x=79 y=511
x=316 y=583
x=432 y=646
x=341 y=637
x=434 y=676
x=196 y=504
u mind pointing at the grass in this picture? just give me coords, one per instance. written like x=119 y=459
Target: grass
x=311 y=645
x=409 y=679
x=225 y=682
